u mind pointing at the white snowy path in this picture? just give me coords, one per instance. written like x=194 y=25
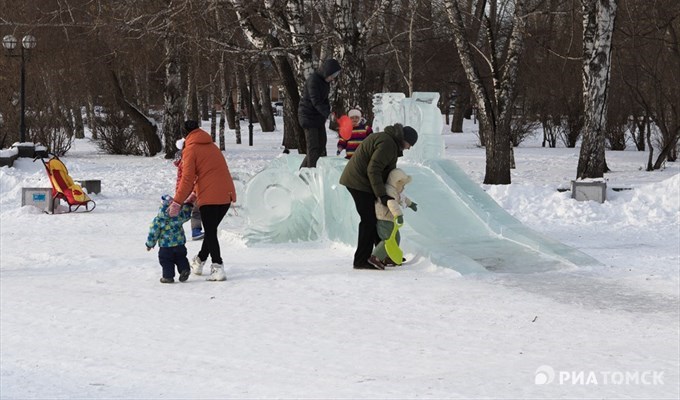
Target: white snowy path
x=83 y=314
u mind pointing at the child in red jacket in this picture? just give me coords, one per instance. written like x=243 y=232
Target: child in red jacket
x=359 y=132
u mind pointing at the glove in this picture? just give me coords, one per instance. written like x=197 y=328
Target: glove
x=148 y=248
x=191 y=199
x=385 y=198
x=337 y=153
x=173 y=209
x=400 y=219
x=413 y=206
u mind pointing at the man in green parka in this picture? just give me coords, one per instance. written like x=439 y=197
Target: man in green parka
x=365 y=175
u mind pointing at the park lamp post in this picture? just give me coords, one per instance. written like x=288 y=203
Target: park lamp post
x=28 y=42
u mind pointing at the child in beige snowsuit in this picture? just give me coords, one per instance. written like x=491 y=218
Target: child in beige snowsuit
x=394 y=186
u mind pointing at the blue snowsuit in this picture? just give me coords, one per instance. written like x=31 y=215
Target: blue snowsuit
x=169 y=233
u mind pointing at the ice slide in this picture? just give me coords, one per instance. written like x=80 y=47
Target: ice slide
x=457 y=225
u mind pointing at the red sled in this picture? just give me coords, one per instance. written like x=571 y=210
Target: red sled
x=63 y=187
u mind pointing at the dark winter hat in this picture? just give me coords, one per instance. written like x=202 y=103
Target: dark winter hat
x=410 y=135
x=330 y=67
x=190 y=125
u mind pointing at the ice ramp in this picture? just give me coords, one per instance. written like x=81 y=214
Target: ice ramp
x=457 y=225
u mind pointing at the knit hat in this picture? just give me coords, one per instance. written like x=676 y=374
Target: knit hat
x=190 y=125
x=354 y=113
x=410 y=135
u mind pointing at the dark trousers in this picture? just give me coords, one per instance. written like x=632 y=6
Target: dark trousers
x=211 y=216
x=171 y=256
x=316 y=146
x=368 y=231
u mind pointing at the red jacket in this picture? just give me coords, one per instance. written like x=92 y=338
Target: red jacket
x=359 y=133
x=204 y=164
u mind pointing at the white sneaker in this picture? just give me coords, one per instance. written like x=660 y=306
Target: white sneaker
x=217 y=273
x=196 y=266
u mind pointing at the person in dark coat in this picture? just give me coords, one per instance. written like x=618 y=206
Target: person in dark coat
x=314 y=110
x=364 y=177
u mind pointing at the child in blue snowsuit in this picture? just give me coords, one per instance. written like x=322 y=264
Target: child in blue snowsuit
x=169 y=233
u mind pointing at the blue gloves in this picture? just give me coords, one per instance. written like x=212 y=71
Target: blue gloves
x=413 y=206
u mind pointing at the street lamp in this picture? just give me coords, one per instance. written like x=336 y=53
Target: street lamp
x=28 y=42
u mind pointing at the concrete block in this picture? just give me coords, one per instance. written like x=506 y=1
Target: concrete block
x=90 y=185
x=38 y=197
x=589 y=190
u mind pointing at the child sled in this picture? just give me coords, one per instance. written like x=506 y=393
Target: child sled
x=64 y=188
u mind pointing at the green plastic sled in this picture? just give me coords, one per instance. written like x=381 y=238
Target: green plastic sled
x=391 y=245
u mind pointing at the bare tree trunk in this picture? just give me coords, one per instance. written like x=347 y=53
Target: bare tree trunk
x=650 y=167
x=641 y=124
x=205 y=108
x=495 y=104
x=266 y=115
x=91 y=116
x=350 y=51
x=598 y=27
x=461 y=103
x=192 y=111
x=224 y=96
x=78 y=123
x=174 y=102
x=667 y=152
x=292 y=74
x=147 y=131
x=213 y=114
x=230 y=109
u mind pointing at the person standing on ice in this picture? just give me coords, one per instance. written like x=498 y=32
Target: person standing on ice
x=396 y=181
x=205 y=171
x=365 y=175
x=359 y=132
x=314 y=109
x=168 y=232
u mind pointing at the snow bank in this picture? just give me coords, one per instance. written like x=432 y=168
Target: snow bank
x=647 y=205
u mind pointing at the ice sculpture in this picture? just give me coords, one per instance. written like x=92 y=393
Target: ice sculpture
x=420 y=112
x=457 y=224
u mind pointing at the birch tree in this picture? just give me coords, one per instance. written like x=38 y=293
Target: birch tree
x=494 y=101
x=288 y=46
x=173 y=98
x=598 y=28
x=352 y=25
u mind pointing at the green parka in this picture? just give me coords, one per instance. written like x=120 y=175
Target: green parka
x=373 y=160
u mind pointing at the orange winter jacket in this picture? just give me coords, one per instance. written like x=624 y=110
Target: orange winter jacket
x=204 y=164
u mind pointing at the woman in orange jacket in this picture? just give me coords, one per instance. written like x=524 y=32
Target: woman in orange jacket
x=205 y=171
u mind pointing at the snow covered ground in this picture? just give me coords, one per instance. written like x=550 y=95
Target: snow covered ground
x=84 y=316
